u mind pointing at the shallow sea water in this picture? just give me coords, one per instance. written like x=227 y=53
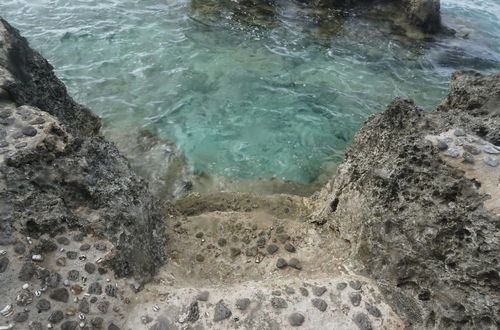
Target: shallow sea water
x=277 y=98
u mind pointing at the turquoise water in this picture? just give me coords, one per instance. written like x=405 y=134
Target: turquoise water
x=276 y=97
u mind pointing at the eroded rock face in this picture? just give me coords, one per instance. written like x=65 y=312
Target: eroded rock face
x=57 y=173
x=416 y=213
x=424 y=14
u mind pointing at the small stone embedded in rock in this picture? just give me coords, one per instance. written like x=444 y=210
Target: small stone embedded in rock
x=296 y=319
x=278 y=302
x=373 y=310
x=281 y=263
x=56 y=317
x=491 y=150
x=103 y=306
x=355 y=298
x=243 y=303
x=69 y=325
x=491 y=161
x=63 y=240
x=72 y=255
x=61 y=261
x=194 y=312
x=235 y=252
x=78 y=237
x=221 y=312
x=113 y=326
x=272 y=248
x=4 y=263
x=222 y=242
x=97 y=322
x=100 y=246
x=261 y=242
x=24 y=298
x=441 y=145
x=471 y=149
x=199 y=235
x=252 y=251
x=304 y=292
x=37 y=257
x=27 y=271
x=60 y=294
x=362 y=321
x=318 y=291
x=200 y=258
x=203 y=296
x=276 y=293
x=95 y=288
x=84 y=306
x=341 y=286
x=289 y=290
x=459 y=132
x=43 y=305
x=35 y=325
x=356 y=285
x=21 y=317
x=289 y=247
x=468 y=158
x=19 y=248
x=73 y=275
x=111 y=290
x=453 y=153
x=295 y=263
x=85 y=247
x=29 y=131
x=101 y=270
x=319 y=304
x=89 y=268
x=282 y=238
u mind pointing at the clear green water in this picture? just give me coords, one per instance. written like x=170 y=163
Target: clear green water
x=245 y=101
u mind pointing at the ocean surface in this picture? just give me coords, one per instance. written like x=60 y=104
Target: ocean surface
x=271 y=92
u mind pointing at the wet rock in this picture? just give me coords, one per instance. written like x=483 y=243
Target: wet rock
x=90 y=268
x=295 y=263
x=100 y=246
x=281 y=263
x=111 y=290
x=319 y=304
x=97 y=322
x=491 y=161
x=194 y=312
x=341 y=286
x=362 y=321
x=355 y=298
x=252 y=251
x=221 y=312
x=272 y=248
x=84 y=306
x=60 y=294
x=296 y=319
x=20 y=248
x=243 y=303
x=69 y=325
x=4 y=263
x=72 y=255
x=203 y=296
x=63 y=240
x=103 y=306
x=56 y=317
x=289 y=247
x=278 y=302
x=95 y=288
x=85 y=247
x=221 y=242
x=356 y=285
x=113 y=326
x=373 y=310
x=235 y=252
x=304 y=292
x=27 y=271
x=21 y=317
x=43 y=305
x=318 y=291
x=73 y=275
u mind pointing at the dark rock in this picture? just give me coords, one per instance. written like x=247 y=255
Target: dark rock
x=319 y=304
x=44 y=246
x=6 y=239
x=111 y=290
x=56 y=317
x=252 y=251
x=341 y=286
x=318 y=291
x=103 y=306
x=84 y=306
x=203 y=296
x=78 y=237
x=21 y=317
x=272 y=248
x=278 y=302
x=29 y=131
x=43 y=305
x=194 y=312
x=93 y=300
x=199 y=235
x=261 y=242
x=97 y=322
x=296 y=319
x=4 y=263
x=222 y=242
x=243 y=303
x=95 y=288
x=85 y=247
x=282 y=238
x=295 y=263
x=355 y=298
x=281 y=263
x=100 y=246
x=362 y=321
x=101 y=270
x=63 y=240
x=221 y=312
x=72 y=255
x=69 y=325
x=289 y=247
x=373 y=310
x=73 y=275
x=442 y=145
x=60 y=294
x=200 y=258
x=27 y=271
x=113 y=326
x=356 y=285
x=89 y=267
x=235 y=252
x=304 y=292
x=51 y=279
x=471 y=149
x=20 y=248
x=35 y=325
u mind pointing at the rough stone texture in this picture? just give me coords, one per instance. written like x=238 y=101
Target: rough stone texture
x=424 y=14
x=414 y=220
x=67 y=176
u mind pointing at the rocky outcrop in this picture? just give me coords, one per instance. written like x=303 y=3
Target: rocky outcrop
x=423 y=14
x=418 y=199
x=57 y=173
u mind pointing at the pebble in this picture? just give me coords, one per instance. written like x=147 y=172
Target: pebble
x=63 y=240
x=200 y=258
x=319 y=304
x=52 y=279
x=194 y=312
x=69 y=325
x=278 y=302
x=252 y=251
x=356 y=285
x=60 y=294
x=111 y=290
x=56 y=317
x=272 y=248
x=61 y=261
x=355 y=298
x=85 y=247
x=282 y=238
x=295 y=263
x=222 y=242
x=468 y=158
x=281 y=263
x=221 y=312
x=261 y=242
x=102 y=270
x=73 y=275
x=27 y=271
x=289 y=290
x=276 y=293
x=203 y=296
x=471 y=149
x=459 y=132
x=84 y=306
x=21 y=317
x=491 y=150
x=100 y=246
x=103 y=306
x=296 y=319
x=362 y=321
x=199 y=235
x=156 y=308
x=453 y=153
x=97 y=322
x=318 y=291
x=78 y=237
x=289 y=247
x=35 y=325
x=235 y=252
x=4 y=263
x=243 y=303
x=21 y=145
x=373 y=310
x=7 y=310
x=95 y=288
x=37 y=257
x=71 y=255
x=341 y=286
x=304 y=292
x=24 y=298
x=442 y=145
x=491 y=161
x=43 y=305
x=113 y=326
x=19 y=248
x=76 y=289
x=89 y=268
